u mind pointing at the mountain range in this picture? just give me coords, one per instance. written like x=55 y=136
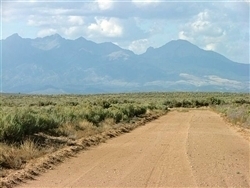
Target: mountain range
x=54 y=65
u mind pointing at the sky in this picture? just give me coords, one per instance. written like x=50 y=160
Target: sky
x=221 y=26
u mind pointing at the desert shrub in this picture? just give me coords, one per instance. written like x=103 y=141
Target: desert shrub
x=131 y=111
x=113 y=101
x=139 y=110
x=168 y=103
x=199 y=103
x=186 y=104
x=72 y=103
x=215 y=101
x=18 y=125
x=22 y=123
x=95 y=115
x=128 y=110
x=151 y=106
x=46 y=103
x=46 y=122
x=177 y=104
x=105 y=104
x=117 y=116
x=242 y=101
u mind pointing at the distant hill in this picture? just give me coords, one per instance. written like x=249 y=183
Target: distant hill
x=56 y=65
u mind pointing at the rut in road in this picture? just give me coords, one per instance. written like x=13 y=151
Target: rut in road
x=181 y=149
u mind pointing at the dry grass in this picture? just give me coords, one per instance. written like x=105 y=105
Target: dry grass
x=14 y=157
x=237 y=114
x=240 y=115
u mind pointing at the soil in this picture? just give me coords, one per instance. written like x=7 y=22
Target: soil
x=194 y=148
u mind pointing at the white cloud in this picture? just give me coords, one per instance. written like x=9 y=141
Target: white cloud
x=211 y=46
x=46 y=32
x=106 y=27
x=217 y=31
x=139 y=46
x=183 y=35
x=142 y=3
x=75 y=20
x=71 y=30
x=203 y=25
x=69 y=26
x=105 y=4
x=48 y=21
x=55 y=20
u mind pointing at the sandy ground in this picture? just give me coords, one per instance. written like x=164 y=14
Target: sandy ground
x=181 y=149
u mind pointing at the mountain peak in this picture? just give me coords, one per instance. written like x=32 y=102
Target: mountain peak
x=182 y=48
x=180 y=43
x=80 y=39
x=15 y=36
x=54 y=36
x=48 y=42
x=175 y=48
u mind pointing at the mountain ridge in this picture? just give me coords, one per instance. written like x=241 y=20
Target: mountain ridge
x=83 y=66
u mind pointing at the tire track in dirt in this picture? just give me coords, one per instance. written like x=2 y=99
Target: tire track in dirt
x=174 y=157
x=181 y=149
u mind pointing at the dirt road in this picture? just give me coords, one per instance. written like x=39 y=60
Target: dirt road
x=181 y=149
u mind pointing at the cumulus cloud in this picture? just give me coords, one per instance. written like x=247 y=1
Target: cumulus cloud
x=212 y=30
x=46 y=32
x=105 y=4
x=107 y=27
x=65 y=25
x=55 y=20
x=71 y=31
x=139 y=46
x=183 y=35
x=202 y=26
x=142 y=3
x=75 y=20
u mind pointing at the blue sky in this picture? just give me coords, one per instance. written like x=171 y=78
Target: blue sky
x=222 y=26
